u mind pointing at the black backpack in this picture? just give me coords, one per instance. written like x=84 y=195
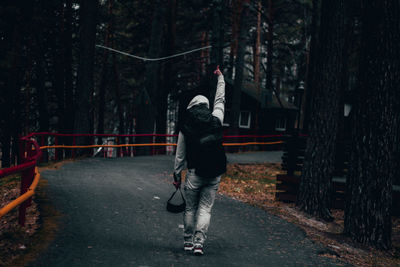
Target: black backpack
x=204 y=136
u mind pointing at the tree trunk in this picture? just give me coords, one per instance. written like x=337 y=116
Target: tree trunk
x=315 y=187
x=270 y=52
x=217 y=42
x=343 y=134
x=396 y=178
x=13 y=121
x=311 y=65
x=102 y=94
x=217 y=34
x=256 y=52
x=104 y=73
x=376 y=120
x=10 y=76
x=39 y=84
x=239 y=66
x=88 y=21
x=169 y=82
x=41 y=89
x=148 y=109
x=237 y=7
x=204 y=54
x=256 y=63
x=59 y=73
x=69 y=90
x=121 y=127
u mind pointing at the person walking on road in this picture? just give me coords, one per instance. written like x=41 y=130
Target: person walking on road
x=200 y=146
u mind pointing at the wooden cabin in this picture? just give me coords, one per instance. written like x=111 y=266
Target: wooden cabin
x=260 y=114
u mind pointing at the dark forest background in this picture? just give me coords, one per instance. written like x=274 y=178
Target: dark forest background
x=53 y=78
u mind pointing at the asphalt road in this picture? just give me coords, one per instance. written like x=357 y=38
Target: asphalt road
x=114 y=215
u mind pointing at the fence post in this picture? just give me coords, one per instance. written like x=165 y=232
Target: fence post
x=92 y=143
x=42 y=144
x=55 y=149
x=152 y=147
x=104 y=148
x=134 y=148
x=73 y=149
x=125 y=148
x=26 y=180
x=31 y=174
x=118 y=150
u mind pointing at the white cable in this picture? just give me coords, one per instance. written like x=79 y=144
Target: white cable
x=154 y=59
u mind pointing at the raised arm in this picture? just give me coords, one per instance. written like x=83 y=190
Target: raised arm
x=219 y=102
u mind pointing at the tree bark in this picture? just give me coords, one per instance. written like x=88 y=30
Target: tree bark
x=13 y=121
x=256 y=63
x=237 y=7
x=148 y=96
x=217 y=33
x=257 y=45
x=121 y=123
x=239 y=66
x=41 y=89
x=376 y=120
x=343 y=135
x=11 y=75
x=311 y=65
x=217 y=42
x=396 y=178
x=59 y=78
x=168 y=74
x=315 y=188
x=270 y=52
x=104 y=73
x=88 y=21
x=10 y=109
x=69 y=90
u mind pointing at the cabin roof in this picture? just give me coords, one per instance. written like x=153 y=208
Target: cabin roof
x=250 y=89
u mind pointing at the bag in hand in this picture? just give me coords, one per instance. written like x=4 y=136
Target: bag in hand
x=173 y=207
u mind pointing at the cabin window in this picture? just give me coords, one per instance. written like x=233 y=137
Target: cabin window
x=280 y=124
x=244 y=119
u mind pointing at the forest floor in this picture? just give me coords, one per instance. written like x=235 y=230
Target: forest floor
x=250 y=183
x=15 y=239
x=19 y=245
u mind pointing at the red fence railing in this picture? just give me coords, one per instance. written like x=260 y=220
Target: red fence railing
x=62 y=146
x=30 y=154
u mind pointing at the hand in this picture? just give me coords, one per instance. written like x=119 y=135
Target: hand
x=177 y=180
x=217 y=71
x=177 y=185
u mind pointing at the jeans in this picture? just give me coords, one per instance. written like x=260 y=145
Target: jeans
x=200 y=195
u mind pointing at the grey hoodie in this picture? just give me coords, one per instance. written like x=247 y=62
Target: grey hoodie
x=199 y=99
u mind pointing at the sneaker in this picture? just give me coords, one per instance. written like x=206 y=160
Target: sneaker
x=188 y=246
x=198 y=249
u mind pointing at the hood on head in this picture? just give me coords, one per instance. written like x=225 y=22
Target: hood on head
x=197 y=100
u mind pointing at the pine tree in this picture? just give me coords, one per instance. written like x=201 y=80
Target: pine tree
x=315 y=187
x=375 y=120
x=84 y=88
